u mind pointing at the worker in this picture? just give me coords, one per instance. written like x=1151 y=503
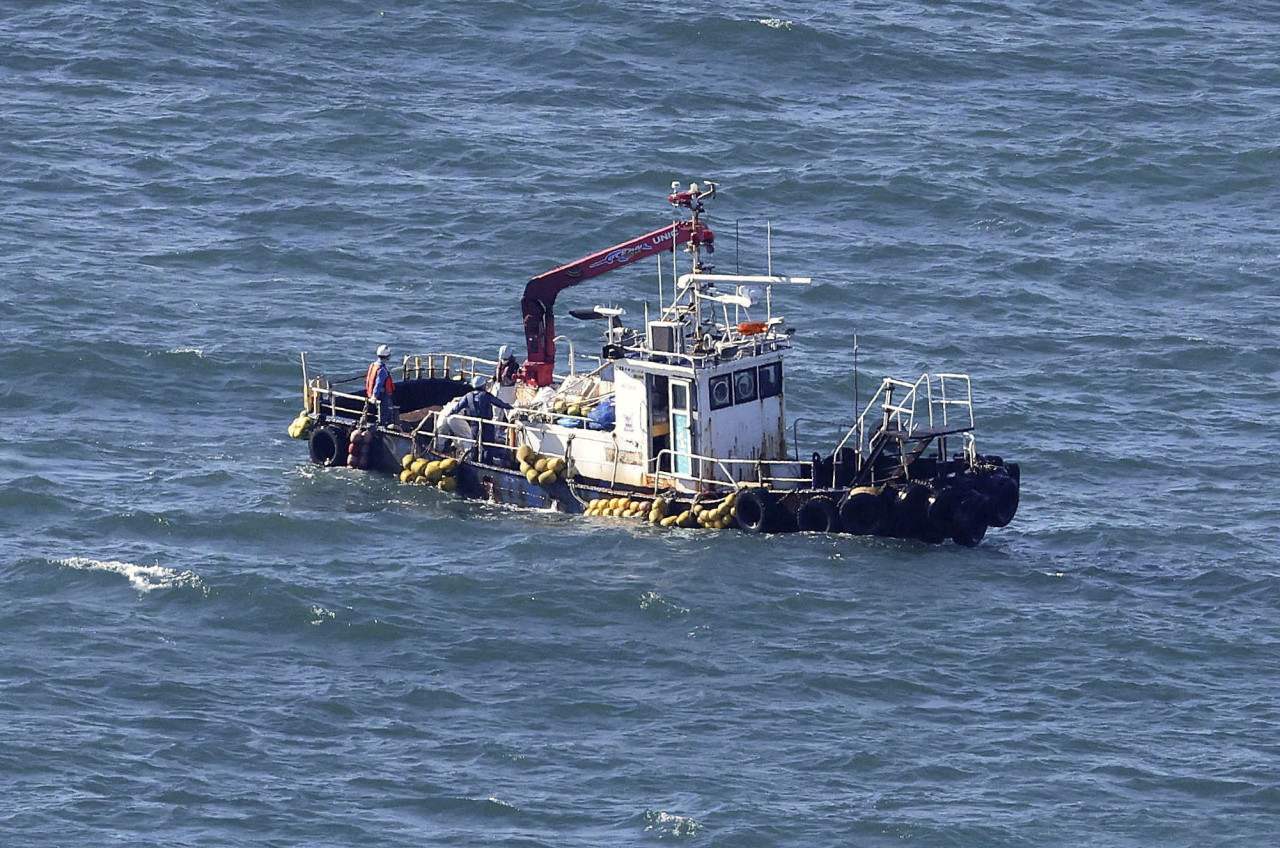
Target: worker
x=480 y=405
x=504 y=376
x=379 y=387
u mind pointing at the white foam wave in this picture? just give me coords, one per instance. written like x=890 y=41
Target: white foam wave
x=653 y=602
x=319 y=615
x=669 y=824
x=776 y=23
x=144 y=578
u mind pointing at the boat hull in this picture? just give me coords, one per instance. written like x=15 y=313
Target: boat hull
x=959 y=502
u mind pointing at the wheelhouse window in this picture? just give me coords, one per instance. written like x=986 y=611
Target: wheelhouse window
x=744 y=385
x=721 y=391
x=769 y=380
x=680 y=397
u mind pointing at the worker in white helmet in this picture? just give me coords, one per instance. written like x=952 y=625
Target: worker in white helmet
x=480 y=406
x=379 y=387
x=505 y=375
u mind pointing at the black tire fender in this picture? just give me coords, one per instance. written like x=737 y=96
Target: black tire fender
x=969 y=522
x=911 y=509
x=938 y=515
x=863 y=513
x=1002 y=492
x=328 y=446
x=819 y=514
x=756 y=511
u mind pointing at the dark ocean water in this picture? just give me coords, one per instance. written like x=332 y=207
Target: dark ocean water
x=206 y=642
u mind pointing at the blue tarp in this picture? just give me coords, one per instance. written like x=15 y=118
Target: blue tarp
x=602 y=417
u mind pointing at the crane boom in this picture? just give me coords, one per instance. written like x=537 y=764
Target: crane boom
x=540 y=292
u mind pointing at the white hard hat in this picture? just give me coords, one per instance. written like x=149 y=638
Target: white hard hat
x=383 y=350
x=478 y=382
x=504 y=352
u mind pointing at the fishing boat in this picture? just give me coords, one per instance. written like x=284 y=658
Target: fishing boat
x=680 y=422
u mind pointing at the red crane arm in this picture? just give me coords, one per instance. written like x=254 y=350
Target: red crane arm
x=540 y=292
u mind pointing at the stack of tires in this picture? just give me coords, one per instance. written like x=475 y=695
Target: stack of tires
x=960 y=507
x=964 y=507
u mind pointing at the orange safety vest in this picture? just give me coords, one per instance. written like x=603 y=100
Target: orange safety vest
x=371 y=379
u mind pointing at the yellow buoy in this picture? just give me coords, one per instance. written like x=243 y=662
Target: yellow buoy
x=546 y=478
x=447 y=484
x=524 y=452
x=531 y=475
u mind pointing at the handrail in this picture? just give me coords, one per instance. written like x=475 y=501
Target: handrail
x=446 y=365
x=462 y=367
x=722 y=464
x=573 y=368
x=507 y=427
x=944 y=403
x=795 y=432
x=930 y=390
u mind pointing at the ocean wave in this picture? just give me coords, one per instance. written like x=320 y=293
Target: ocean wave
x=665 y=825
x=143 y=578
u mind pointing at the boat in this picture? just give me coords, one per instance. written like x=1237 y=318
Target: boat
x=680 y=422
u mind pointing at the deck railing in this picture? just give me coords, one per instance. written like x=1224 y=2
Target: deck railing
x=925 y=405
x=713 y=471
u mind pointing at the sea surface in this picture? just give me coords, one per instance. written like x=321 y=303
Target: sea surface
x=205 y=641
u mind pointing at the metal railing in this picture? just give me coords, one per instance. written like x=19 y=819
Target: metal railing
x=927 y=398
x=448 y=366
x=320 y=392
x=723 y=470
x=833 y=428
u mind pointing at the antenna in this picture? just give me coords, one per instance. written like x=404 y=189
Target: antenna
x=646 y=305
x=768 y=241
x=857 y=404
